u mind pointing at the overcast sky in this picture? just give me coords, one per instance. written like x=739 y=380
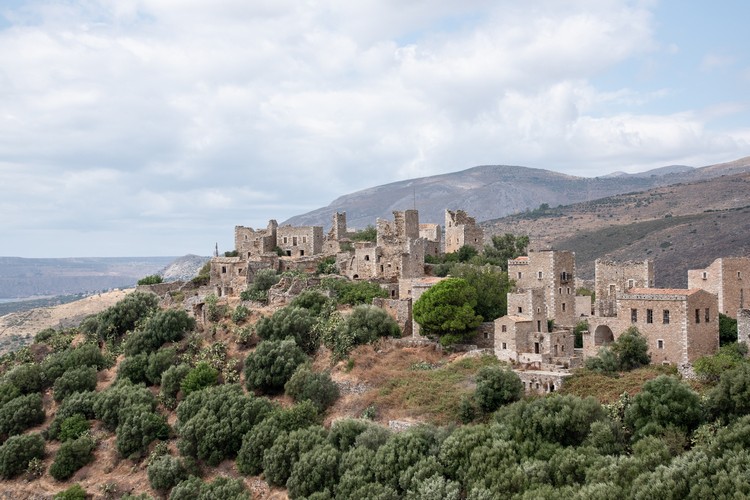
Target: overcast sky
x=153 y=127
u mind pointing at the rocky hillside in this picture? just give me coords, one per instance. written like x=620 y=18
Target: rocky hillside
x=183 y=268
x=489 y=192
x=682 y=226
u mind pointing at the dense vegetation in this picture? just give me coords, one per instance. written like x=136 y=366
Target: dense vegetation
x=664 y=441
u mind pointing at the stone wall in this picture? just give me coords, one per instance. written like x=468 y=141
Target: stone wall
x=300 y=241
x=554 y=272
x=460 y=230
x=743 y=326
x=250 y=243
x=541 y=382
x=400 y=311
x=729 y=279
x=614 y=278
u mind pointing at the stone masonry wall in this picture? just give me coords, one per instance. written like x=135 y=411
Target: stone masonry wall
x=614 y=278
x=460 y=230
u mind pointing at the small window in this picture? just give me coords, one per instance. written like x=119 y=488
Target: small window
x=504 y=346
x=538 y=326
x=660 y=344
x=649 y=315
x=611 y=290
x=697 y=315
x=705 y=275
x=304 y=239
x=519 y=275
x=634 y=315
x=367 y=257
x=486 y=335
x=539 y=275
x=563 y=306
x=630 y=283
x=739 y=275
x=568 y=290
x=708 y=315
x=301 y=253
x=665 y=316
x=223 y=269
x=285 y=240
x=520 y=309
x=538 y=310
x=504 y=329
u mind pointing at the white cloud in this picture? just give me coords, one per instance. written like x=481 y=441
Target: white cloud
x=241 y=111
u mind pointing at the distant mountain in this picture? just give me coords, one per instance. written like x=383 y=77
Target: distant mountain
x=183 y=268
x=671 y=169
x=490 y=192
x=21 y=277
x=680 y=227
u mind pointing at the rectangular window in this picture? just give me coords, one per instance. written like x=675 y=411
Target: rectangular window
x=538 y=326
x=705 y=275
x=611 y=290
x=520 y=309
x=660 y=344
x=563 y=306
x=708 y=315
x=505 y=329
x=665 y=316
x=504 y=346
x=568 y=290
x=649 y=315
x=304 y=239
x=634 y=315
x=539 y=275
x=223 y=269
x=486 y=335
x=697 y=315
x=559 y=291
x=519 y=275
x=630 y=283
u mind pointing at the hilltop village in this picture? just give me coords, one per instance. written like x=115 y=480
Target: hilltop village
x=536 y=336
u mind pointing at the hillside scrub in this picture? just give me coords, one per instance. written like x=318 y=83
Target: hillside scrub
x=272 y=364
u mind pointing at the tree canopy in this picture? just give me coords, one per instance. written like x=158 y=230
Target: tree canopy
x=447 y=310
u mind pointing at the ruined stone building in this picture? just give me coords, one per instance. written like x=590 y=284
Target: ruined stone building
x=612 y=279
x=552 y=271
x=398 y=252
x=250 y=243
x=729 y=279
x=300 y=241
x=460 y=230
x=432 y=234
x=743 y=326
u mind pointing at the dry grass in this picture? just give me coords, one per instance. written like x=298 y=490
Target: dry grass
x=413 y=384
x=607 y=389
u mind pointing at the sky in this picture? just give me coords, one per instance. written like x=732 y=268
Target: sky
x=153 y=127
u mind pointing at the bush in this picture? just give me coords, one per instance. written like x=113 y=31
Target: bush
x=354 y=292
x=171 y=380
x=344 y=432
x=200 y=377
x=27 y=377
x=122 y=317
x=79 y=403
x=55 y=365
x=327 y=266
x=164 y=326
x=497 y=387
x=75 y=492
x=139 y=425
x=71 y=456
x=727 y=329
x=8 y=392
x=491 y=285
x=293 y=322
x=316 y=470
x=73 y=427
x=240 y=314
x=272 y=364
x=312 y=300
x=17 y=452
x=364 y=325
x=159 y=362
x=730 y=399
x=279 y=459
x=165 y=472
x=663 y=403
x=153 y=279
x=631 y=349
x=265 y=279
x=20 y=414
x=112 y=405
x=212 y=422
x=730 y=356
x=263 y=435
x=315 y=387
x=75 y=380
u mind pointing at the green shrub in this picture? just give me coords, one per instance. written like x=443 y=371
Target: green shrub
x=153 y=279
x=159 y=362
x=79 y=403
x=200 y=377
x=171 y=380
x=212 y=422
x=75 y=380
x=28 y=377
x=293 y=322
x=20 y=413
x=71 y=456
x=73 y=427
x=138 y=426
x=344 y=432
x=279 y=459
x=354 y=292
x=447 y=310
x=112 y=405
x=264 y=280
x=263 y=435
x=316 y=470
x=165 y=472
x=664 y=403
x=75 y=492
x=272 y=364
x=316 y=387
x=164 y=326
x=44 y=335
x=730 y=399
x=327 y=266
x=710 y=368
x=8 y=392
x=240 y=314
x=55 y=365
x=364 y=325
x=312 y=300
x=17 y=452
x=122 y=317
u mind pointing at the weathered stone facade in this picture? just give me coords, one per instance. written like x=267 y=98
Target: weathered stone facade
x=729 y=279
x=460 y=230
x=612 y=279
x=542 y=382
x=300 y=241
x=250 y=243
x=680 y=325
x=554 y=272
x=399 y=310
x=228 y=275
x=432 y=235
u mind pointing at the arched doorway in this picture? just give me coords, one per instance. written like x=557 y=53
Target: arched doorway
x=603 y=335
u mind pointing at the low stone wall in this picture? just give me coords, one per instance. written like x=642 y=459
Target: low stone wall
x=541 y=382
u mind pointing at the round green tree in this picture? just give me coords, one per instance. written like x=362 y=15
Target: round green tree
x=447 y=310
